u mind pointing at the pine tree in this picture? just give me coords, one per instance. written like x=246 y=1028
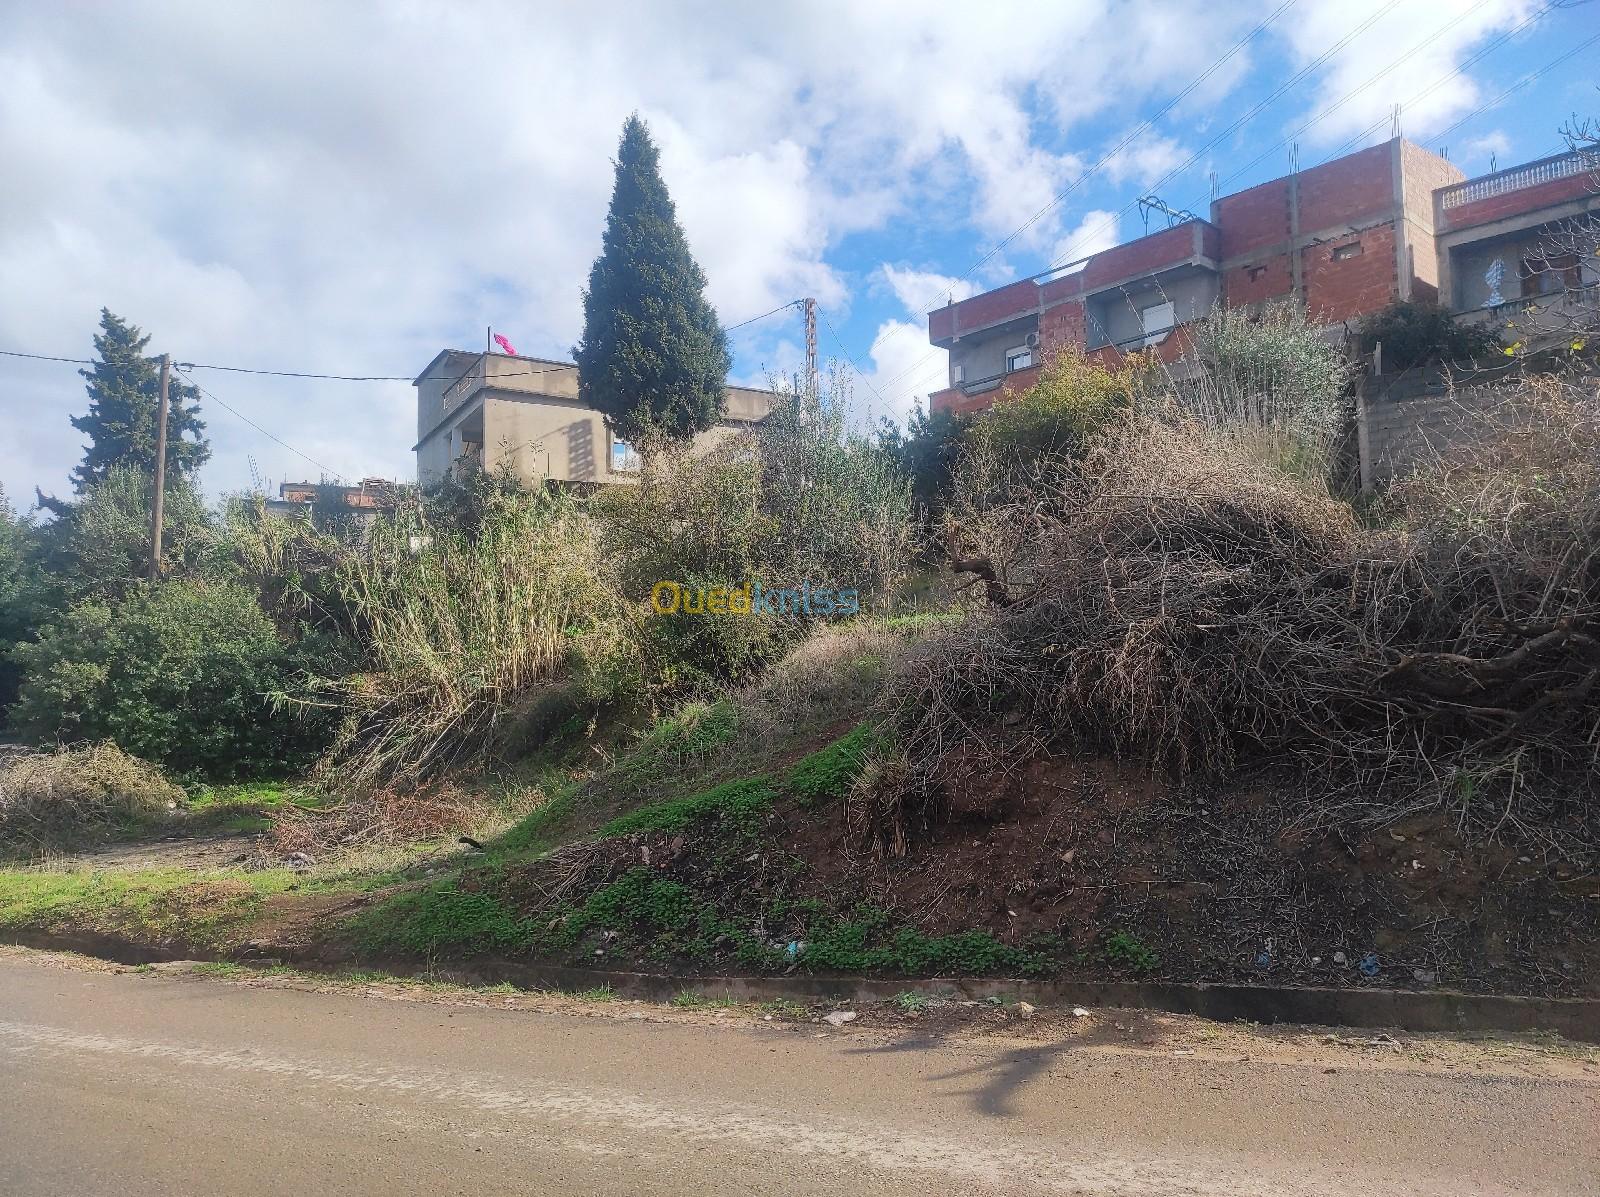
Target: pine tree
x=124 y=397
x=653 y=357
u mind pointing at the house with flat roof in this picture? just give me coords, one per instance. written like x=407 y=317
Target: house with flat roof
x=493 y=409
x=1345 y=238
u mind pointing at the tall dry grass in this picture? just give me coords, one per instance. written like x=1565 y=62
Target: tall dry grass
x=466 y=628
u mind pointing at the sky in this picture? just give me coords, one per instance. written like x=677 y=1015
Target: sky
x=350 y=188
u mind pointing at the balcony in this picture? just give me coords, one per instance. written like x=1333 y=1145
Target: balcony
x=1516 y=178
x=981 y=393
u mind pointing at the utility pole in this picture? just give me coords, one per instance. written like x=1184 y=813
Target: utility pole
x=811 y=348
x=161 y=472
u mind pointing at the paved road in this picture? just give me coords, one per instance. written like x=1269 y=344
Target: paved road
x=130 y=1084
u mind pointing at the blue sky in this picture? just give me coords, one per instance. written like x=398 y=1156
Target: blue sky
x=348 y=189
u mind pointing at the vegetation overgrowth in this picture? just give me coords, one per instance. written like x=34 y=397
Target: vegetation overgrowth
x=1125 y=562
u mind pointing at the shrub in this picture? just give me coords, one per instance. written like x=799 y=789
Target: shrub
x=465 y=628
x=49 y=798
x=182 y=673
x=1419 y=334
x=100 y=546
x=26 y=595
x=1271 y=385
x=1075 y=399
x=1233 y=616
x=796 y=500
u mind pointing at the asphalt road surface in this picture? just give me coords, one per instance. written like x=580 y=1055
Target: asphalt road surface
x=131 y=1084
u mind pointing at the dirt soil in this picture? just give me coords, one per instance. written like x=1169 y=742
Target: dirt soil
x=1221 y=887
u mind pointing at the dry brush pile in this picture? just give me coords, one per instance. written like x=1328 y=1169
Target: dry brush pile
x=1171 y=596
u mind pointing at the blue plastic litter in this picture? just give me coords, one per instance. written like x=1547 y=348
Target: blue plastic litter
x=1369 y=965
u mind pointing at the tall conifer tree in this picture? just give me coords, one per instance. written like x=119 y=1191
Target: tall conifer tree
x=124 y=398
x=653 y=357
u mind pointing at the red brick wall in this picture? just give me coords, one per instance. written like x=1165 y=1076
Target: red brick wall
x=1144 y=256
x=1273 y=278
x=1062 y=325
x=988 y=308
x=1348 y=190
x=1343 y=290
x=1253 y=219
x=1515 y=203
x=955 y=401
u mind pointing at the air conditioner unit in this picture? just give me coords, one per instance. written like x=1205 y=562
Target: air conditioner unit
x=1032 y=340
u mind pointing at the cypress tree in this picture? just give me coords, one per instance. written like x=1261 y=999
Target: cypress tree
x=124 y=398
x=653 y=357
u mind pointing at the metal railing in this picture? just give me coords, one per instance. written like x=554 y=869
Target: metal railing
x=1531 y=174
x=471 y=380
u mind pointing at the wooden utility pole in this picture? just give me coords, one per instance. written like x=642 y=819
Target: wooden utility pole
x=811 y=348
x=161 y=472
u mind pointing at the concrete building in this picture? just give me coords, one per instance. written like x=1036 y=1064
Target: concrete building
x=1346 y=239
x=491 y=409
x=362 y=503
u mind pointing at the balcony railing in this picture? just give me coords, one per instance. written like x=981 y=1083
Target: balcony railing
x=462 y=388
x=1546 y=170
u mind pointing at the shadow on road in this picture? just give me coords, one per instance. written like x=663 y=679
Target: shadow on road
x=999 y=1078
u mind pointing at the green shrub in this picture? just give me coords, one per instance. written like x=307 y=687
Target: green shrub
x=798 y=499
x=181 y=673
x=1419 y=334
x=26 y=594
x=100 y=545
x=467 y=626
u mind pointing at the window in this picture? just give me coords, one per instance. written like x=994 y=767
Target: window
x=1018 y=359
x=1157 y=322
x=1547 y=274
x=623 y=459
x=1345 y=252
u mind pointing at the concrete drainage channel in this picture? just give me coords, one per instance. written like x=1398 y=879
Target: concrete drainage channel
x=1438 y=1010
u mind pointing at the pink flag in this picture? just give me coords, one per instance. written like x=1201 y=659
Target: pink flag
x=504 y=344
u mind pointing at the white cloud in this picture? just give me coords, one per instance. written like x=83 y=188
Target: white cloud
x=1405 y=53
x=1144 y=160
x=905 y=368
x=1097 y=231
x=919 y=291
x=311 y=187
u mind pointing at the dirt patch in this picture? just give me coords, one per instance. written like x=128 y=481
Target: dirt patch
x=171 y=852
x=1110 y=871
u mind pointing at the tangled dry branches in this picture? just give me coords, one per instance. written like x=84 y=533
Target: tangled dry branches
x=1170 y=599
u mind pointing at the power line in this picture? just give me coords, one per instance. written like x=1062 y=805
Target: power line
x=1493 y=45
x=839 y=341
x=1352 y=94
x=1516 y=87
x=764 y=315
x=1143 y=128
x=326 y=469
x=315 y=376
x=1250 y=115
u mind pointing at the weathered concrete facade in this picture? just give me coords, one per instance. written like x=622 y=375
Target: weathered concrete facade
x=494 y=410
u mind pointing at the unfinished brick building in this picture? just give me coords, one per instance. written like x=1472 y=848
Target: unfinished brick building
x=1345 y=238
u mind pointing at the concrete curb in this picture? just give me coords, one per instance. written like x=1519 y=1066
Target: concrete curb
x=1407 y=1010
